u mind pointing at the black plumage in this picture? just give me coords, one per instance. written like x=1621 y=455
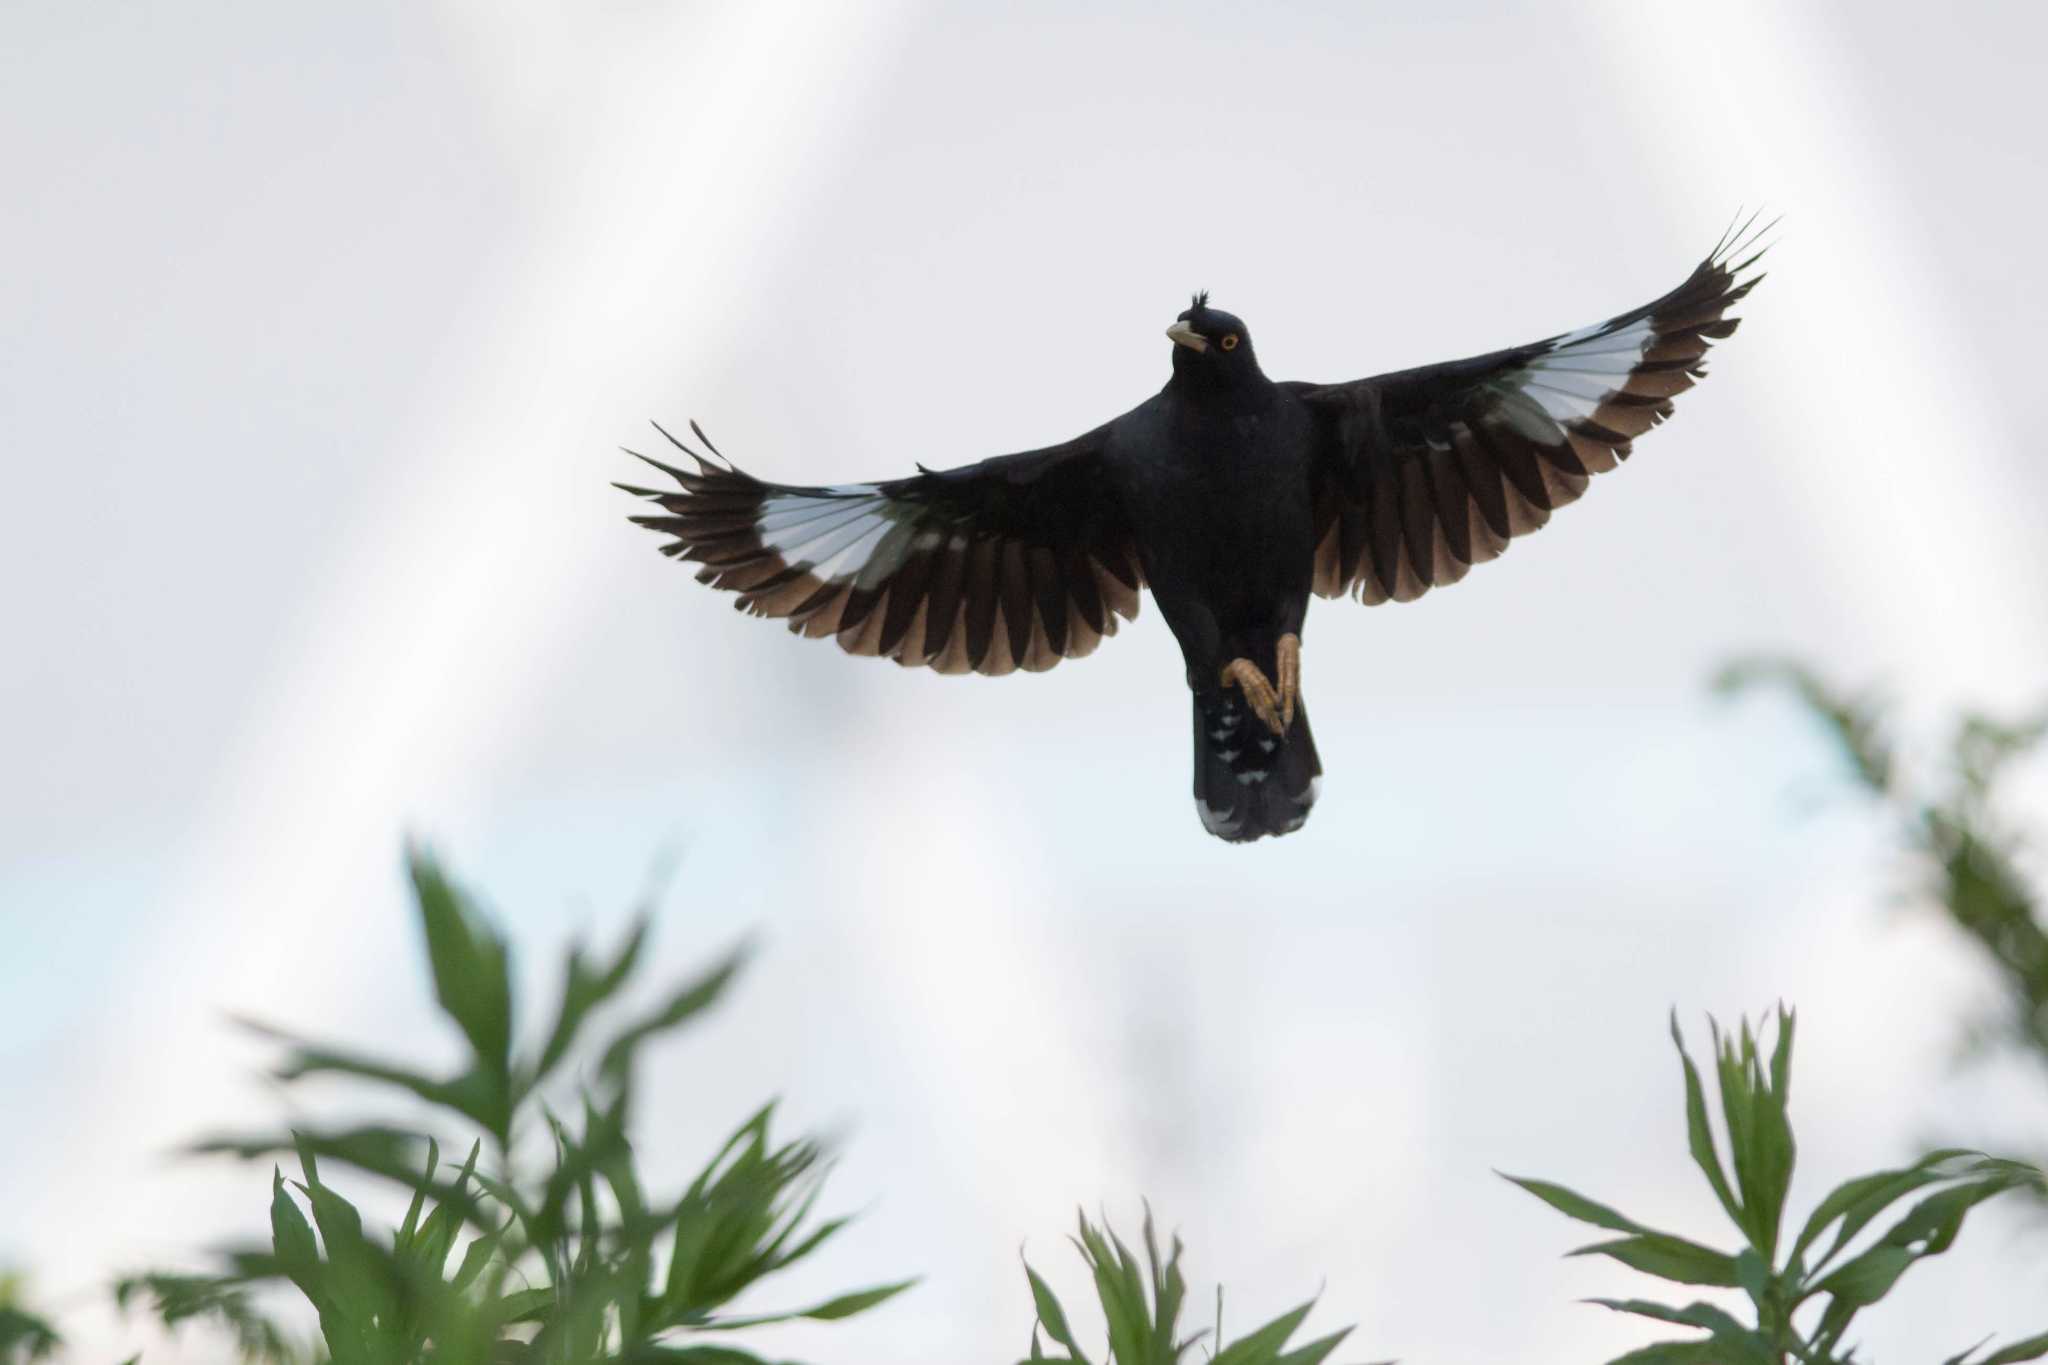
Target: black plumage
x=1231 y=496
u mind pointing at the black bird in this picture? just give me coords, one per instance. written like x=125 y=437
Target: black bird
x=1231 y=496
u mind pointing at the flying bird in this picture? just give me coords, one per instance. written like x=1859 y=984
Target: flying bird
x=1231 y=496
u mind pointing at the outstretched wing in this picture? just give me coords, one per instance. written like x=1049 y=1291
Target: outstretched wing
x=1015 y=562
x=1424 y=473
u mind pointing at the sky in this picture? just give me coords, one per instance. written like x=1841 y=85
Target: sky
x=325 y=327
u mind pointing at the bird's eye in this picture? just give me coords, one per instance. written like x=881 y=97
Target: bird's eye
x=1229 y=342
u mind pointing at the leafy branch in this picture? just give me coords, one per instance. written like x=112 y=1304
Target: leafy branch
x=1142 y=1305
x=1819 y=1278
x=575 y=1263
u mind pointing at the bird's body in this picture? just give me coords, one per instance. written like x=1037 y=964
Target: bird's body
x=1232 y=497
x=1218 y=501
x=1216 y=483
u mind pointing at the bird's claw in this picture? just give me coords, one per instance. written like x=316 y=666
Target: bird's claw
x=1258 y=692
x=1290 y=678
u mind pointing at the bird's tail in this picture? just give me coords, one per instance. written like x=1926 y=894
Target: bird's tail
x=1250 y=782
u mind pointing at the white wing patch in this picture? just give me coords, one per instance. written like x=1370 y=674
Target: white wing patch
x=838 y=537
x=1580 y=371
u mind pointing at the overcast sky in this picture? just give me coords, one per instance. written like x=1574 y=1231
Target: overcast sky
x=322 y=327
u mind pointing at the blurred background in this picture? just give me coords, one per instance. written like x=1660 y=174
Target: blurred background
x=320 y=331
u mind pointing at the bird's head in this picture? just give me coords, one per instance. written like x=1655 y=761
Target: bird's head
x=1211 y=345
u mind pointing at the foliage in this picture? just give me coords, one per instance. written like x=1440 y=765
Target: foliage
x=1967 y=851
x=24 y=1336
x=571 y=1262
x=1802 y=1301
x=1142 y=1306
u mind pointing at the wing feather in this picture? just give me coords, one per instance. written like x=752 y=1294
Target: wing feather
x=1019 y=561
x=1424 y=473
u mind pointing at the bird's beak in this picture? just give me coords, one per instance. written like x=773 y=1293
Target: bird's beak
x=1184 y=334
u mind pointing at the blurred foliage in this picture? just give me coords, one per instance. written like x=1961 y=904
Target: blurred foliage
x=571 y=1261
x=24 y=1336
x=1142 y=1306
x=1965 y=849
x=543 y=1246
x=1802 y=1297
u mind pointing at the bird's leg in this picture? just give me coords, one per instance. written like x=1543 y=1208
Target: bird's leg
x=1258 y=692
x=1290 y=678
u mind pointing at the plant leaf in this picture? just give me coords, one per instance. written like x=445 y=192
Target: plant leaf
x=683 y=1005
x=1577 y=1205
x=2033 y=1348
x=845 y=1306
x=1051 y=1314
x=1668 y=1258
x=583 y=990
x=1699 y=1135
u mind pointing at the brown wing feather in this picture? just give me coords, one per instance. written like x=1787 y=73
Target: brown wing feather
x=1016 y=562
x=1424 y=473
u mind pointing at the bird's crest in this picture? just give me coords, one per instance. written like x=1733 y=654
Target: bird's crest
x=1199 y=301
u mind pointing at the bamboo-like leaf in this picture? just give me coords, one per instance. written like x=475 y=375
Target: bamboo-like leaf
x=402 y=1240
x=2033 y=1348
x=1858 y=1201
x=1317 y=1351
x=1673 y=1353
x=1051 y=1315
x=26 y=1337
x=1577 y=1206
x=845 y=1306
x=1263 y=1346
x=471 y=964
x=292 y=1240
x=583 y=990
x=682 y=1006
x=1702 y=1315
x=1699 y=1135
x=1668 y=1258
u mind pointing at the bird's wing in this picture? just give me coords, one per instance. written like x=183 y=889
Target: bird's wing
x=1421 y=474
x=1016 y=562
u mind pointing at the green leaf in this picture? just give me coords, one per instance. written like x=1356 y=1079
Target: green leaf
x=1753 y=1275
x=402 y=1240
x=2033 y=1348
x=471 y=964
x=1315 y=1352
x=454 y=1207
x=464 y=1095
x=1776 y=1151
x=1673 y=1353
x=24 y=1336
x=1703 y=1315
x=1927 y=1229
x=845 y=1306
x=1576 y=1205
x=1699 y=1136
x=1169 y=1286
x=1264 y=1345
x=1052 y=1315
x=1858 y=1201
x=682 y=1006
x=1668 y=1258
x=1759 y=1133
x=292 y=1240
x=655 y=1354
x=476 y=1256
x=583 y=990
x=1869 y=1277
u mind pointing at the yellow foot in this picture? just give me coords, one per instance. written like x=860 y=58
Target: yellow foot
x=1290 y=678
x=1258 y=692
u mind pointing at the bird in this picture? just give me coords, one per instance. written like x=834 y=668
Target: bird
x=1231 y=497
